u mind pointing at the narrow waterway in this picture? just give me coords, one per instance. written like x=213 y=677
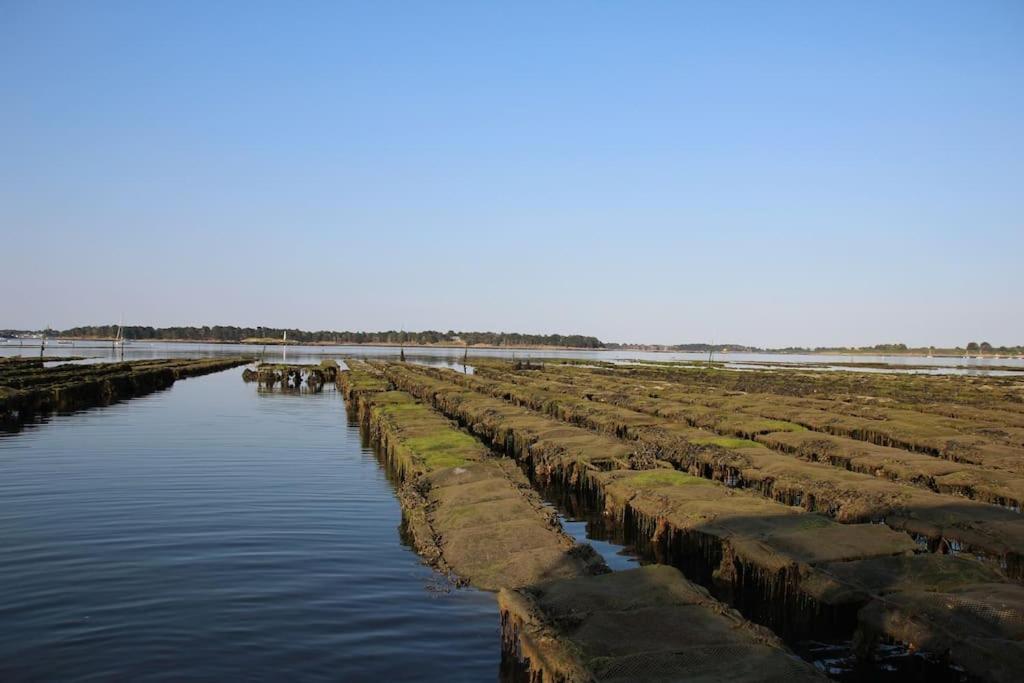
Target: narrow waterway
x=212 y=532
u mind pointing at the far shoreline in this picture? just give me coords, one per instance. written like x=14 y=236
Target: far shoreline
x=909 y=353
x=279 y=342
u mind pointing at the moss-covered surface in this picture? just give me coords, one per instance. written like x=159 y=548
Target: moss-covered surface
x=654 y=478
x=439 y=451
x=970 y=413
x=724 y=442
x=469 y=513
x=647 y=624
x=362 y=379
x=922 y=393
x=753 y=552
x=768 y=560
x=689 y=421
x=572 y=454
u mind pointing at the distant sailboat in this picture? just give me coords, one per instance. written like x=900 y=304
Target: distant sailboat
x=119 y=341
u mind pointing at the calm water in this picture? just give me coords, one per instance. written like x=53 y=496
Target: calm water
x=209 y=532
x=452 y=357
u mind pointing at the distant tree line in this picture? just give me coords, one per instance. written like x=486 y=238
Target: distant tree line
x=880 y=348
x=231 y=333
x=686 y=348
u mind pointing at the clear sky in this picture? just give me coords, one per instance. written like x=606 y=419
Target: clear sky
x=767 y=173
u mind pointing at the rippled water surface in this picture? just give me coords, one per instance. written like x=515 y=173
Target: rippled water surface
x=210 y=532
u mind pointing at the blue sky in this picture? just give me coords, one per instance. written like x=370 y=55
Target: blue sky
x=763 y=173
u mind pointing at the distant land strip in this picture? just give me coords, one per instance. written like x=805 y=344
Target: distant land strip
x=275 y=335
x=269 y=335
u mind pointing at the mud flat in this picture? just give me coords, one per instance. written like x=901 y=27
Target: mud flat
x=28 y=388
x=723 y=449
x=780 y=565
x=645 y=624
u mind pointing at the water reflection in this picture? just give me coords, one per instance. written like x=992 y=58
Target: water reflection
x=213 y=532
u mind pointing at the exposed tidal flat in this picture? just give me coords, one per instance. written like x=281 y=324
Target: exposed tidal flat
x=789 y=522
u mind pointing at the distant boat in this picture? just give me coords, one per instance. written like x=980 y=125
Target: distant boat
x=119 y=338
x=119 y=341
